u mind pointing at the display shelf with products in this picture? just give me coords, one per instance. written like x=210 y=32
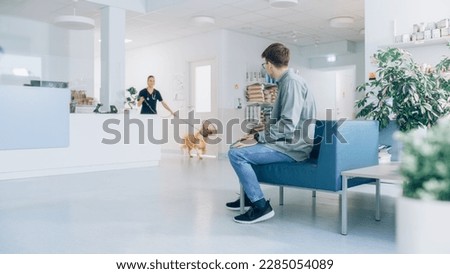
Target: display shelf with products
x=260 y=99
x=261 y=93
x=420 y=43
x=423 y=34
x=257 y=116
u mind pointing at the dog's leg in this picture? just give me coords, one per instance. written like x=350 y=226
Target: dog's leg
x=199 y=154
x=201 y=148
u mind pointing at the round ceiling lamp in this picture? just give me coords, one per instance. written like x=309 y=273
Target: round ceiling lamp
x=203 y=20
x=282 y=4
x=74 y=22
x=341 y=22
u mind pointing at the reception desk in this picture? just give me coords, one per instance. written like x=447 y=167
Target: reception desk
x=97 y=142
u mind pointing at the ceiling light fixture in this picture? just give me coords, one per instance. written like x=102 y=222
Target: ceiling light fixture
x=203 y=20
x=282 y=4
x=74 y=21
x=331 y=58
x=341 y=22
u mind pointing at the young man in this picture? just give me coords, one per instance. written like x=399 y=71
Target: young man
x=285 y=138
x=149 y=96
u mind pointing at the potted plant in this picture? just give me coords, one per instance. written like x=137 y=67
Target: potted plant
x=413 y=95
x=131 y=97
x=422 y=212
x=403 y=95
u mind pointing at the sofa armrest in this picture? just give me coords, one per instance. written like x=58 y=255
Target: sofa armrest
x=346 y=145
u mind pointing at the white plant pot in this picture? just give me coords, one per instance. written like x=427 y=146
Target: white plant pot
x=422 y=226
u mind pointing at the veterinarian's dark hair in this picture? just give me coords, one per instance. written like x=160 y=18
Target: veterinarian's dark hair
x=150 y=76
x=277 y=54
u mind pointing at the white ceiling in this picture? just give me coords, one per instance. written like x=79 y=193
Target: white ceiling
x=306 y=24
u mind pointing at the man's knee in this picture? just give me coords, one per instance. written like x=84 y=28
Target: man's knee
x=232 y=154
x=236 y=154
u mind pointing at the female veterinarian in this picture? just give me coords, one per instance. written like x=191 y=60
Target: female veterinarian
x=149 y=96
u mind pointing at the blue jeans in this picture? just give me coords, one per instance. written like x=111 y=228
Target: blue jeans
x=242 y=159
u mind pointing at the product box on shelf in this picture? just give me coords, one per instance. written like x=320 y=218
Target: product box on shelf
x=436 y=33
x=406 y=38
x=444 y=23
x=420 y=36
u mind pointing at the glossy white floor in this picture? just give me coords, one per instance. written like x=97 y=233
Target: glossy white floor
x=178 y=207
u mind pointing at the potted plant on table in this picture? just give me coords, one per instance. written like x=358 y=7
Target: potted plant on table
x=405 y=93
x=414 y=95
x=422 y=213
x=131 y=98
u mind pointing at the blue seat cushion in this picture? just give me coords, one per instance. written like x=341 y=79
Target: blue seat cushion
x=300 y=174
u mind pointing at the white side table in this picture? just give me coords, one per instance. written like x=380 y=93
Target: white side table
x=386 y=173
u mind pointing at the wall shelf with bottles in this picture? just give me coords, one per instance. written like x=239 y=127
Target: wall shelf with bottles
x=420 y=43
x=423 y=34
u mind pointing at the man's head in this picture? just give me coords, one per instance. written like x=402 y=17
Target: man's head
x=276 y=54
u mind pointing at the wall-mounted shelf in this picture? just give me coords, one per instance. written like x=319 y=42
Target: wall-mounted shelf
x=421 y=43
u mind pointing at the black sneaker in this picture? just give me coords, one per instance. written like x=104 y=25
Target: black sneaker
x=255 y=214
x=236 y=205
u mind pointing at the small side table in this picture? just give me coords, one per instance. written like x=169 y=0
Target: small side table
x=386 y=173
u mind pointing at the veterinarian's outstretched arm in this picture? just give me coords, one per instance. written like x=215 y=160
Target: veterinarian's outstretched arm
x=166 y=106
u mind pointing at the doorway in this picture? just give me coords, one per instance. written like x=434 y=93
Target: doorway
x=202 y=99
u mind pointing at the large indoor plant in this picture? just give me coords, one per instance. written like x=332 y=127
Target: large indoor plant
x=411 y=94
x=422 y=212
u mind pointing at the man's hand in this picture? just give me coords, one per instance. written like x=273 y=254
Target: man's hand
x=248 y=136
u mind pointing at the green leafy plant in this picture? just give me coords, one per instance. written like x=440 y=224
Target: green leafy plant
x=131 y=97
x=425 y=162
x=413 y=95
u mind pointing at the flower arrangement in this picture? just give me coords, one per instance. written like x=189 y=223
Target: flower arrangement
x=426 y=162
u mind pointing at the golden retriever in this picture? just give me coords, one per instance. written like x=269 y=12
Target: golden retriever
x=197 y=141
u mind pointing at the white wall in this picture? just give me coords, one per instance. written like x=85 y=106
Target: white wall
x=325 y=77
x=343 y=60
x=379 y=24
x=81 y=61
x=169 y=63
x=65 y=55
x=323 y=85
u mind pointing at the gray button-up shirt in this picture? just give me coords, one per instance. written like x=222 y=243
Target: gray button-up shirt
x=290 y=129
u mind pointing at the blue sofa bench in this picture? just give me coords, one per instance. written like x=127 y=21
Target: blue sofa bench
x=338 y=146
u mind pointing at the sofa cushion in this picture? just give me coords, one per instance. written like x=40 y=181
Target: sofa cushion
x=300 y=174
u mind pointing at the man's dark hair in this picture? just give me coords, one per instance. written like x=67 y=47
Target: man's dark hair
x=277 y=54
x=150 y=76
